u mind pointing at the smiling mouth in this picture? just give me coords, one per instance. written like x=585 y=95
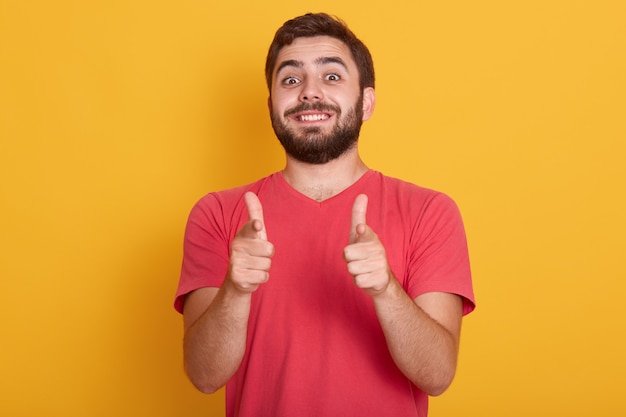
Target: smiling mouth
x=312 y=117
x=312 y=112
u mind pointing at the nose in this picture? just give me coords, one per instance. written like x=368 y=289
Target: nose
x=311 y=91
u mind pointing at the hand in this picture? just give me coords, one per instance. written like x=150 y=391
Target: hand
x=250 y=252
x=365 y=255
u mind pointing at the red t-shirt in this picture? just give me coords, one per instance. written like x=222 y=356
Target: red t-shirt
x=315 y=346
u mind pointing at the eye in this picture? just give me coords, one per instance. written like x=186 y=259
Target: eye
x=332 y=77
x=291 y=81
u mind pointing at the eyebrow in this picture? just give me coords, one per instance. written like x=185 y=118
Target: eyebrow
x=331 y=60
x=289 y=63
x=319 y=61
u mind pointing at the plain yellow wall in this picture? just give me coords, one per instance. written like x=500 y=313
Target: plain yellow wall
x=116 y=116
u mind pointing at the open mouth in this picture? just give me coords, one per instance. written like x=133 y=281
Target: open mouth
x=315 y=117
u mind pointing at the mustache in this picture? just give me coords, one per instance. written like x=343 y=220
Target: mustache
x=312 y=106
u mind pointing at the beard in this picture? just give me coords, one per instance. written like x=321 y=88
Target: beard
x=313 y=146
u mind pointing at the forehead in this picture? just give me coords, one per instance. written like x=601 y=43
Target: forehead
x=311 y=49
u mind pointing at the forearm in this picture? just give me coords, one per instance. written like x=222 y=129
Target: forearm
x=216 y=321
x=215 y=344
x=423 y=349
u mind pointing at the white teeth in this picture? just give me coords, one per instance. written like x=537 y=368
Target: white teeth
x=313 y=117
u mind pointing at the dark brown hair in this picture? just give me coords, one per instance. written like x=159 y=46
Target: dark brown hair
x=321 y=24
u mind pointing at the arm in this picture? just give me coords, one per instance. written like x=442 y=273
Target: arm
x=216 y=320
x=422 y=334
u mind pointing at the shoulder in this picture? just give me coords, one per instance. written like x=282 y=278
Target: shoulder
x=229 y=200
x=408 y=195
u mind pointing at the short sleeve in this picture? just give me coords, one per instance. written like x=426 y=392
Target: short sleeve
x=205 y=249
x=439 y=260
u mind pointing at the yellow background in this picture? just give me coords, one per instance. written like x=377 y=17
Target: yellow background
x=116 y=116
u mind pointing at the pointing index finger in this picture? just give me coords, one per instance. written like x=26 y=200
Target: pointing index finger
x=359 y=215
x=255 y=213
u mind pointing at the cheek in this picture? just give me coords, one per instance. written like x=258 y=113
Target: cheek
x=280 y=102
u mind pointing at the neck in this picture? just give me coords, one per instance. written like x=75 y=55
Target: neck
x=323 y=181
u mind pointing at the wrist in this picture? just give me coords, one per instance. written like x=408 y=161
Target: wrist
x=391 y=291
x=235 y=291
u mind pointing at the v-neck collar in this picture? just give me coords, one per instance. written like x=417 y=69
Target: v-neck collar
x=297 y=194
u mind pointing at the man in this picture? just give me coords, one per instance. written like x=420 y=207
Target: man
x=326 y=289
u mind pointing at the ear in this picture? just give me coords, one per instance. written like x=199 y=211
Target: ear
x=369 y=102
x=269 y=103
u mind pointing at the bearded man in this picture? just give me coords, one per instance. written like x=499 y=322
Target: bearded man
x=328 y=288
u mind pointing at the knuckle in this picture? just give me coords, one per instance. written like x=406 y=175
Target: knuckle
x=361 y=281
x=268 y=249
